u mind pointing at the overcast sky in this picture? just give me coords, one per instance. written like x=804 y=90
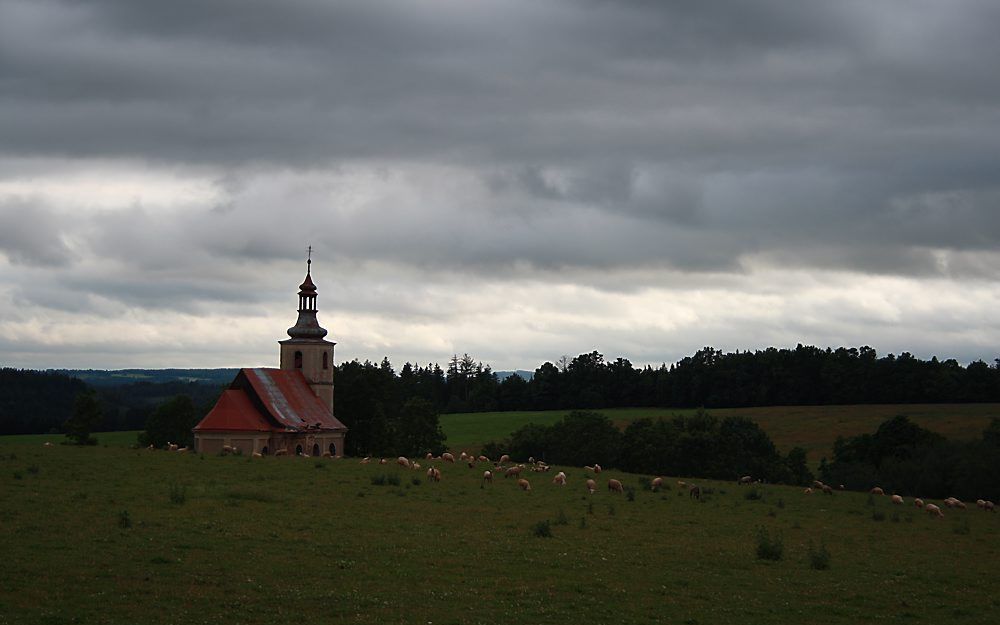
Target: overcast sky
x=514 y=179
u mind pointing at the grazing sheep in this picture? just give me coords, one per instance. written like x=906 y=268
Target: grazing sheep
x=695 y=491
x=524 y=484
x=746 y=479
x=433 y=473
x=416 y=465
x=615 y=486
x=896 y=499
x=817 y=484
x=597 y=468
x=504 y=458
x=171 y=447
x=841 y=487
x=656 y=484
x=934 y=510
x=592 y=486
x=877 y=491
x=952 y=502
x=327 y=454
x=47 y=444
x=181 y=450
x=918 y=502
x=808 y=491
x=257 y=454
x=364 y=460
x=827 y=489
x=681 y=483
x=383 y=461
x=989 y=506
x=281 y=452
x=483 y=459
x=980 y=503
x=429 y=456
x=462 y=456
x=447 y=457
x=559 y=479
x=227 y=449
x=513 y=471
x=487 y=477
x=403 y=461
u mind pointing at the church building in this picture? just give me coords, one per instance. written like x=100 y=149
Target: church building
x=265 y=410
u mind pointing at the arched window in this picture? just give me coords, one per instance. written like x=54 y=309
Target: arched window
x=315 y=449
x=298 y=360
x=298 y=450
x=326 y=360
x=333 y=449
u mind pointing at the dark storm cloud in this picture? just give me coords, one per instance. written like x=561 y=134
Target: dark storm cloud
x=859 y=135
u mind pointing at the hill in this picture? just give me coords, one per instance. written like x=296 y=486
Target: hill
x=89 y=538
x=120 y=377
x=814 y=428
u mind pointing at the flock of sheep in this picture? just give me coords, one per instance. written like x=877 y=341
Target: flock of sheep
x=615 y=486
x=932 y=509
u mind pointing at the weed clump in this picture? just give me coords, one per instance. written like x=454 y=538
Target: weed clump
x=178 y=494
x=630 y=493
x=819 y=557
x=645 y=483
x=542 y=529
x=33 y=469
x=583 y=522
x=561 y=518
x=415 y=481
x=124 y=520
x=319 y=465
x=878 y=515
x=768 y=547
x=378 y=480
x=392 y=479
x=754 y=494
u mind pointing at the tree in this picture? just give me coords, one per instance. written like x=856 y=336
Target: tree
x=171 y=422
x=86 y=416
x=419 y=430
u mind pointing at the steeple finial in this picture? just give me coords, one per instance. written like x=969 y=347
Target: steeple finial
x=309 y=260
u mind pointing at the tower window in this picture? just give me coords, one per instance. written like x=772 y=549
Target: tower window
x=298 y=360
x=326 y=360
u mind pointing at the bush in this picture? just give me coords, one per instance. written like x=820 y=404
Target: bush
x=542 y=529
x=819 y=557
x=177 y=494
x=769 y=548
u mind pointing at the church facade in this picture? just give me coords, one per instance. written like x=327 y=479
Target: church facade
x=288 y=410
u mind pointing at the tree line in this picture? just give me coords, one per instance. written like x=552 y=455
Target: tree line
x=902 y=457
x=698 y=445
x=804 y=375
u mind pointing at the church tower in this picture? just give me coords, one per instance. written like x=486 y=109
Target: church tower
x=307 y=350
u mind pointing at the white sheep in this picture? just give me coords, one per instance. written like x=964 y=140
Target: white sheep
x=896 y=499
x=559 y=479
x=615 y=486
x=447 y=457
x=487 y=477
x=656 y=484
x=524 y=484
x=592 y=486
x=934 y=510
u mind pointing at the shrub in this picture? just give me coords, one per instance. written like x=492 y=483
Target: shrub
x=542 y=529
x=768 y=547
x=124 y=520
x=754 y=494
x=177 y=494
x=819 y=557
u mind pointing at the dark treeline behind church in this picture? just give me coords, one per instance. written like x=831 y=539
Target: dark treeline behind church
x=39 y=402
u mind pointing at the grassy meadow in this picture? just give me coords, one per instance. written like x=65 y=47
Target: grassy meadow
x=814 y=428
x=108 y=534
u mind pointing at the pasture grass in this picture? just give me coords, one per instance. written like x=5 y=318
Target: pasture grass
x=814 y=428
x=93 y=537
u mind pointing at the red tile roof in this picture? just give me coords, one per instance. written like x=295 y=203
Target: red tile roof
x=286 y=396
x=235 y=411
x=269 y=400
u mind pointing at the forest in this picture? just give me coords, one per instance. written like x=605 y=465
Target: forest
x=370 y=397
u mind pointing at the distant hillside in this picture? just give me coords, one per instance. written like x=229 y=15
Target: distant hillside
x=525 y=375
x=100 y=377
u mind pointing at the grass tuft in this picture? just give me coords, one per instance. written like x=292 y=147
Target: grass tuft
x=754 y=494
x=768 y=547
x=542 y=529
x=561 y=518
x=819 y=557
x=124 y=520
x=178 y=494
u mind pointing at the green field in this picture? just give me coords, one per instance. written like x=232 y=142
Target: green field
x=311 y=540
x=813 y=428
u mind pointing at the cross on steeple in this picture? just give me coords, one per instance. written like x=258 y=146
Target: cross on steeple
x=309 y=259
